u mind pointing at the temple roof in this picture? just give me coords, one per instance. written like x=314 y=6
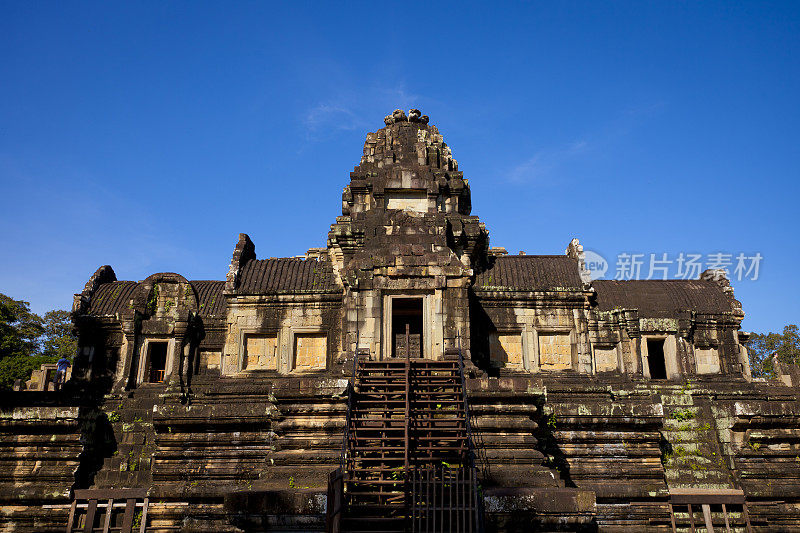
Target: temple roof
x=110 y=298
x=531 y=273
x=662 y=298
x=287 y=274
x=113 y=297
x=210 y=299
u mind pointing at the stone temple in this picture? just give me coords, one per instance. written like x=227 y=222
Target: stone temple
x=406 y=377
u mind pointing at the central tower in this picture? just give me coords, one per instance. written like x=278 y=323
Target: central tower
x=406 y=245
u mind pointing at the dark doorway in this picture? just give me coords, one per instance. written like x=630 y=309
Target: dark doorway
x=655 y=359
x=407 y=327
x=157 y=361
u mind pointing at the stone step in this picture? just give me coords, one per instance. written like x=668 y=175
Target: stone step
x=700 y=434
x=700 y=472
x=673 y=424
x=677 y=400
x=710 y=486
x=686 y=460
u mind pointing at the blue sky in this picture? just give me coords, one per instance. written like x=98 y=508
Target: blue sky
x=147 y=135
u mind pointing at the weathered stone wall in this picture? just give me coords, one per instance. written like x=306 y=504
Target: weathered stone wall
x=629 y=443
x=40 y=446
x=283 y=321
x=550 y=330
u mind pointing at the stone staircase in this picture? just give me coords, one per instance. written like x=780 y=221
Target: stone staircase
x=693 y=457
x=131 y=419
x=408 y=438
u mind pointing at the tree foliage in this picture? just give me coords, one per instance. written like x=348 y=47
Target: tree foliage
x=28 y=341
x=20 y=367
x=762 y=346
x=57 y=339
x=20 y=329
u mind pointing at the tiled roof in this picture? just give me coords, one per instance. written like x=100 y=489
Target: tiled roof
x=210 y=299
x=264 y=276
x=109 y=298
x=531 y=273
x=662 y=298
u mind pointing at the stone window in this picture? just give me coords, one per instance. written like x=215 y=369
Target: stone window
x=260 y=352
x=310 y=351
x=605 y=359
x=707 y=360
x=506 y=348
x=555 y=351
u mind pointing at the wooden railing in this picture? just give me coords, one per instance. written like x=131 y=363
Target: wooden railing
x=728 y=506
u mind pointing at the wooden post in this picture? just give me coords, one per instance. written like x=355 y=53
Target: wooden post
x=746 y=517
x=90 y=512
x=127 y=519
x=408 y=341
x=109 y=508
x=144 y=515
x=672 y=518
x=71 y=515
x=727 y=523
x=707 y=517
x=408 y=420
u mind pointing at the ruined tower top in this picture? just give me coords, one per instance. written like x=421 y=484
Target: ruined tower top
x=406 y=141
x=407 y=189
x=406 y=166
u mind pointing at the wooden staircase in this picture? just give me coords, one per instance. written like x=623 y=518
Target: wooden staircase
x=408 y=461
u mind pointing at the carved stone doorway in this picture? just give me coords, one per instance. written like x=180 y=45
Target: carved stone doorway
x=407 y=327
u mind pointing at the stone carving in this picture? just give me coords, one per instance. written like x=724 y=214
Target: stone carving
x=414 y=115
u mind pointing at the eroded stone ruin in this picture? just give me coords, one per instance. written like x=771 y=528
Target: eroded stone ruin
x=223 y=405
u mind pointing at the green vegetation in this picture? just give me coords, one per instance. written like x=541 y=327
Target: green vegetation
x=293 y=485
x=152 y=301
x=680 y=451
x=762 y=346
x=682 y=415
x=133 y=464
x=28 y=341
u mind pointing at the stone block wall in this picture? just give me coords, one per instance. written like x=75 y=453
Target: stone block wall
x=539 y=338
x=285 y=334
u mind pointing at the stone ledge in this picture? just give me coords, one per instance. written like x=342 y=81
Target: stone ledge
x=276 y=502
x=566 y=505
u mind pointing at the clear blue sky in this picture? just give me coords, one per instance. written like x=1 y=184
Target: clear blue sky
x=147 y=135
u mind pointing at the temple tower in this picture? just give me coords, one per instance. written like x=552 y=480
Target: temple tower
x=406 y=245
